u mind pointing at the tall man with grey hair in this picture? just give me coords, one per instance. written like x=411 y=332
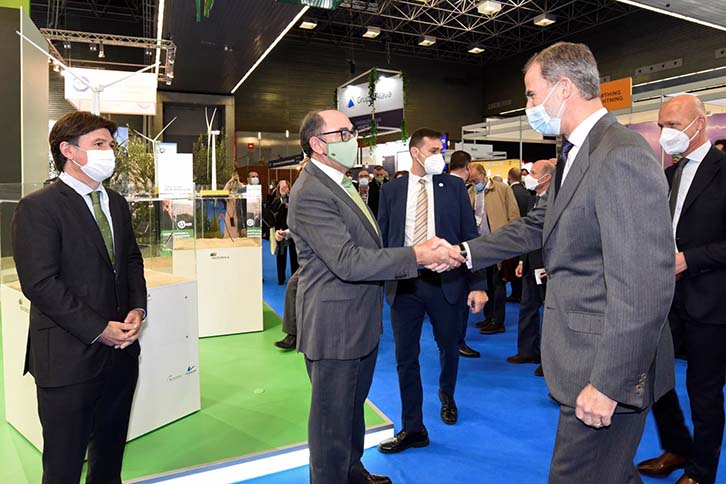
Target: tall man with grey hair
x=340 y=294
x=606 y=350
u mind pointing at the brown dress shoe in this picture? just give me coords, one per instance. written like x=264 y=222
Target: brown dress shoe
x=663 y=465
x=686 y=480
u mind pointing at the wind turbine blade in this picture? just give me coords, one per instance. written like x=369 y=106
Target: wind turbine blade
x=145 y=137
x=57 y=61
x=164 y=129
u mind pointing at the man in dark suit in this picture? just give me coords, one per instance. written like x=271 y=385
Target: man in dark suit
x=374 y=188
x=607 y=353
x=698 y=313
x=534 y=281
x=80 y=267
x=340 y=295
x=524 y=199
x=420 y=206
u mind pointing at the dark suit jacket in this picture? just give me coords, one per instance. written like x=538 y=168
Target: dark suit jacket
x=532 y=260
x=374 y=193
x=701 y=236
x=66 y=273
x=278 y=208
x=454 y=223
x=524 y=198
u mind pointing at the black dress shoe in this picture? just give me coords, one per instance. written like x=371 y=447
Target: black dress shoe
x=404 y=440
x=519 y=359
x=449 y=412
x=287 y=343
x=368 y=478
x=483 y=323
x=663 y=465
x=492 y=328
x=467 y=352
x=539 y=371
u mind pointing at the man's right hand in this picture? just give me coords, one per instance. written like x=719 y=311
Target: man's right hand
x=115 y=333
x=279 y=235
x=438 y=255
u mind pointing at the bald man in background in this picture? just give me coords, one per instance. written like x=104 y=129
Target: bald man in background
x=698 y=313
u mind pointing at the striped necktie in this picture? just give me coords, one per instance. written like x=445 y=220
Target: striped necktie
x=421 y=226
x=103 y=224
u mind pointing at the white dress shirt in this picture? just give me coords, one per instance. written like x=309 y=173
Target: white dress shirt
x=578 y=137
x=693 y=161
x=413 y=188
x=85 y=192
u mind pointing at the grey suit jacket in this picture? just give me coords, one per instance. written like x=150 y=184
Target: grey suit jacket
x=342 y=268
x=608 y=247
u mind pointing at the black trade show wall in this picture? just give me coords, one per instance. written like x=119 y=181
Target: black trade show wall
x=10 y=96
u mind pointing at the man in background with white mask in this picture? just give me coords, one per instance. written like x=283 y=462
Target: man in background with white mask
x=421 y=206
x=363 y=181
x=607 y=353
x=340 y=294
x=79 y=265
x=698 y=314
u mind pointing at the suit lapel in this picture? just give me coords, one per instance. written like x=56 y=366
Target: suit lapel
x=705 y=174
x=339 y=192
x=79 y=210
x=580 y=166
x=116 y=217
x=438 y=191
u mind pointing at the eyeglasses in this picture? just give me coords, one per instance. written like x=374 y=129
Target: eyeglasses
x=345 y=134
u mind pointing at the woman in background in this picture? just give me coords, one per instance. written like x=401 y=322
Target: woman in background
x=278 y=208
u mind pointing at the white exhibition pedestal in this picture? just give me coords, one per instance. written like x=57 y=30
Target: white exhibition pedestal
x=229 y=282
x=168 y=386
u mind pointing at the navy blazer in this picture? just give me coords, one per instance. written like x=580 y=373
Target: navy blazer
x=455 y=223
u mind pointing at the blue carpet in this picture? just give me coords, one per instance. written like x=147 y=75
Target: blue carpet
x=506 y=422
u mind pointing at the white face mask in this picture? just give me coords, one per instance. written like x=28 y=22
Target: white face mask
x=254 y=181
x=540 y=120
x=676 y=142
x=434 y=164
x=100 y=164
x=530 y=182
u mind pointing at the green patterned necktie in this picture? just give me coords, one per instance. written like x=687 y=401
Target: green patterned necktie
x=103 y=224
x=348 y=185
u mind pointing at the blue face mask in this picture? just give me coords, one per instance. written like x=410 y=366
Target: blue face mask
x=541 y=121
x=479 y=187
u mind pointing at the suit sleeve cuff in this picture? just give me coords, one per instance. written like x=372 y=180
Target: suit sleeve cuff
x=143 y=312
x=469 y=263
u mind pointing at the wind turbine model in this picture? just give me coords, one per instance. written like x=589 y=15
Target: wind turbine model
x=212 y=145
x=155 y=145
x=97 y=89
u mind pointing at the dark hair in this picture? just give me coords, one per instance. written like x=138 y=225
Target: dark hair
x=71 y=127
x=311 y=125
x=378 y=167
x=515 y=174
x=721 y=142
x=418 y=136
x=400 y=173
x=459 y=160
x=574 y=61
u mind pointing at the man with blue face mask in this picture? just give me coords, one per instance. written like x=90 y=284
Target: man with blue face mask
x=343 y=264
x=698 y=313
x=415 y=208
x=80 y=267
x=606 y=350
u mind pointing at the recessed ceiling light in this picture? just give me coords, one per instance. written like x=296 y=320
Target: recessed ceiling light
x=489 y=7
x=427 y=41
x=372 y=32
x=308 y=24
x=545 y=19
x=475 y=50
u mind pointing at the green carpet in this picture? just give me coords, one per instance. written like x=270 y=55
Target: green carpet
x=254 y=398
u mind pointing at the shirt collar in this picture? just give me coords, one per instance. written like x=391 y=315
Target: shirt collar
x=700 y=153
x=416 y=178
x=578 y=135
x=335 y=175
x=78 y=186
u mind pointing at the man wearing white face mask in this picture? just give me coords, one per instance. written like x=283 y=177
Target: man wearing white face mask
x=80 y=267
x=606 y=351
x=698 y=313
x=415 y=208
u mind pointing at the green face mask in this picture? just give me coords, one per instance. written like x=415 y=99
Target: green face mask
x=380 y=178
x=343 y=152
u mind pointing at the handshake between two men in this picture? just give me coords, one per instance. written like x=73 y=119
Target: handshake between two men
x=438 y=255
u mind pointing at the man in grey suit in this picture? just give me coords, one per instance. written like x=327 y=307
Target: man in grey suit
x=340 y=294
x=606 y=350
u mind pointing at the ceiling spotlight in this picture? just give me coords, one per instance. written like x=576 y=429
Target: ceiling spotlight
x=475 y=50
x=372 y=32
x=168 y=82
x=63 y=73
x=149 y=52
x=545 y=19
x=489 y=7
x=67 y=45
x=101 y=53
x=92 y=47
x=56 y=68
x=308 y=24
x=427 y=40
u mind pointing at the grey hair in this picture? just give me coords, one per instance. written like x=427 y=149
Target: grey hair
x=312 y=125
x=573 y=61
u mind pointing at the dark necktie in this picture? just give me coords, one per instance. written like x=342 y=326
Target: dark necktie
x=676 y=185
x=561 y=162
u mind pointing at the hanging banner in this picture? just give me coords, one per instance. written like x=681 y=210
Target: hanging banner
x=353 y=101
x=134 y=95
